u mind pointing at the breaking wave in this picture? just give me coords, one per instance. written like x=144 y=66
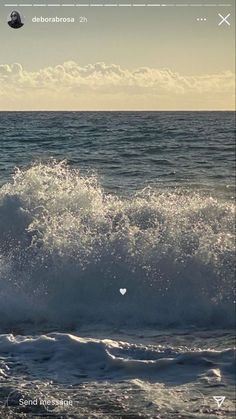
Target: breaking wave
x=73 y=357
x=67 y=247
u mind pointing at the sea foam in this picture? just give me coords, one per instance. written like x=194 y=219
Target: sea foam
x=67 y=247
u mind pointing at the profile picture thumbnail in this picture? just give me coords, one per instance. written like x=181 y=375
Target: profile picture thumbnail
x=15 y=20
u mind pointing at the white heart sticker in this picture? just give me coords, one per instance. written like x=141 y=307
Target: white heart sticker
x=123 y=291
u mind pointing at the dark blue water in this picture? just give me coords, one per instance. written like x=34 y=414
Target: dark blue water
x=175 y=237
x=128 y=150
x=67 y=247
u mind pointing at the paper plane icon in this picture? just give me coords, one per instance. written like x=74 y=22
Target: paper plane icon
x=219 y=400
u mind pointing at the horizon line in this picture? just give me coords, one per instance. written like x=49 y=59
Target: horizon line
x=118 y=110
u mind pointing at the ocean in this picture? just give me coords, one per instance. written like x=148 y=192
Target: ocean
x=117 y=254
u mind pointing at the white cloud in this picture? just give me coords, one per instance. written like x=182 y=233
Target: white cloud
x=100 y=79
x=101 y=75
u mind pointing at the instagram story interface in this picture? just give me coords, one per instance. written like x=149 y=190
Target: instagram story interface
x=117 y=244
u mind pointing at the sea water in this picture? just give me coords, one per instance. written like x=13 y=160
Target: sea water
x=95 y=202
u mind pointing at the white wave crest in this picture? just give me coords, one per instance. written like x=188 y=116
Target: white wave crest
x=67 y=247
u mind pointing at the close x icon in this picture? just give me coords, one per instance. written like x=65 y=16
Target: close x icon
x=224 y=19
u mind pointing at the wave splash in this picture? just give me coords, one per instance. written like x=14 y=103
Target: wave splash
x=67 y=247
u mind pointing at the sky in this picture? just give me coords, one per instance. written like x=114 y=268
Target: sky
x=122 y=58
